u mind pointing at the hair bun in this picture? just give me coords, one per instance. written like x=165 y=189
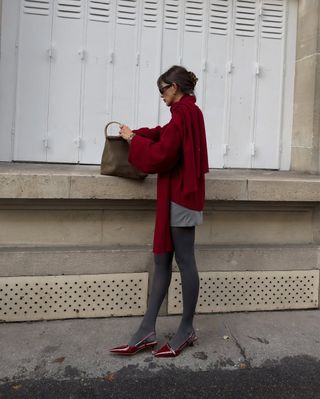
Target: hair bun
x=193 y=78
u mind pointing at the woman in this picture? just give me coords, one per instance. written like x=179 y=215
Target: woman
x=177 y=152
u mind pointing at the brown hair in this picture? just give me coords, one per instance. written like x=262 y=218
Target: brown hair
x=186 y=80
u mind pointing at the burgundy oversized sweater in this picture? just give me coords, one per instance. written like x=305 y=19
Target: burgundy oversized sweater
x=178 y=153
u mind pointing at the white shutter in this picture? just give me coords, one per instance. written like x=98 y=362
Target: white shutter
x=97 y=82
x=241 y=95
x=194 y=55
x=126 y=61
x=171 y=44
x=33 y=81
x=183 y=39
x=269 y=96
x=65 y=82
x=85 y=62
x=218 y=79
x=10 y=12
x=147 y=98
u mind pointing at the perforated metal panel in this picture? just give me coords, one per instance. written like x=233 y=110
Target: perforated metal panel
x=245 y=291
x=60 y=297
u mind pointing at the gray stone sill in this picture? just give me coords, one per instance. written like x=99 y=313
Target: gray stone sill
x=58 y=181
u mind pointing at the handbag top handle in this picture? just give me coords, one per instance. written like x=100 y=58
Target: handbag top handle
x=106 y=131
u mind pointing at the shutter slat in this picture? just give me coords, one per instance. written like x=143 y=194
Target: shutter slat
x=245 y=18
x=99 y=10
x=171 y=14
x=219 y=17
x=194 y=16
x=126 y=12
x=150 y=13
x=36 y=7
x=272 y=19
x=69 y=9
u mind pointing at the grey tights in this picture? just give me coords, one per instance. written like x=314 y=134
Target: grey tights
x=183 y=241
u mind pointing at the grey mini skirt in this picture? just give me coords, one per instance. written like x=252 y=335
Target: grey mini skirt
x=181 y=216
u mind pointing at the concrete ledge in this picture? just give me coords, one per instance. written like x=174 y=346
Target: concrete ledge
x=53 y=181
x=42 y=261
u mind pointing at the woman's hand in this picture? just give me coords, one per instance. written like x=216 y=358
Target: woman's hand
x=125 y=132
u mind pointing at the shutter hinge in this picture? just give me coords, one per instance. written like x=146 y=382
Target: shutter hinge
x=45 y=143
x=13 y=131
x=179 y=59
x=51 y=52
x=137 y=59
x=252 y=149
x=229 y=66
x=111 y=57
x=225 y=149
x=82 y=54
x=257 y=68
x=77 y=142
x=204 y=65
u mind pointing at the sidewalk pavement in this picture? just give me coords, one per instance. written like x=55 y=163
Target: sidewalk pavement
x=77 y=349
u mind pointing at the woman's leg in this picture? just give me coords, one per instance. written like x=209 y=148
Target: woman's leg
x=160 y=285
x=183 y=240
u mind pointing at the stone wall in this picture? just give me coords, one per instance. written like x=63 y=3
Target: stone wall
x=306 y=126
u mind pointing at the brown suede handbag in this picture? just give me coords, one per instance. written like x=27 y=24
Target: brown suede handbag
x=114 y=161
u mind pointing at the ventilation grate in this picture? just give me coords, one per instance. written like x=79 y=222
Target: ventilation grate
x=99 y=10
x=150 y=13
x=126 y=12
x=272 y=19
x=219 y=17
x=60 y=297
x=171 y=14
x=69 y=9
x=245 y=17
x=249 y=291
x=194 y=16
x=39 y=7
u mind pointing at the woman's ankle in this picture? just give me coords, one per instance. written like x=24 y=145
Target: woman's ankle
x=142 y=334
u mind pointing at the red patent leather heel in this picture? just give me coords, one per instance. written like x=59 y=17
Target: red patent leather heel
x=127 y=350
x=167 y=351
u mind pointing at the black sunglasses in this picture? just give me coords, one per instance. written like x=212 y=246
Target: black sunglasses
x=164 y=88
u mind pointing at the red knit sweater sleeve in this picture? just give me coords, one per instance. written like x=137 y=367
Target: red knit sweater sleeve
x=153 y=134
x=157 y=157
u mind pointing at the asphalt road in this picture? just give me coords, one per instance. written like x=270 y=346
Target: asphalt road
x=297 y=377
